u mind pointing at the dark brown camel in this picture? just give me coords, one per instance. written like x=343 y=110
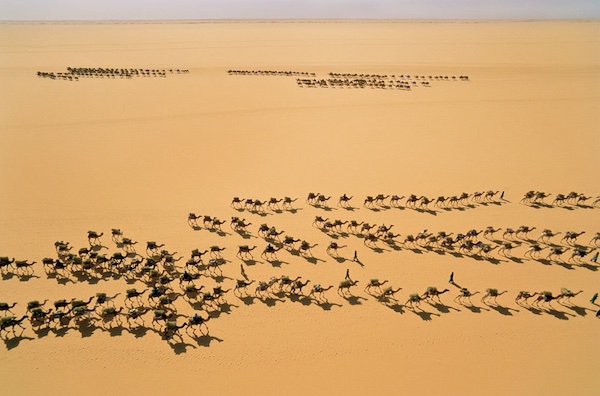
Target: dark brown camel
x=491 y=295
x=345 y=285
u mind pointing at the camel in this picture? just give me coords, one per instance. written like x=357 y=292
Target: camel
x=287 y=203
x=273 y=203
x=117 y=235
x=559 y=200
x=580 y=252
x=242 y=285
x=533 y=250
x=109 y=313
x=39 y=315
x=410 y=239
x=80 y=303
x=374 y=283
x=35 y=304
x=544 y=297
x=265 y=286
x=103 y=298
x=236 y=203
x=540 y=196
x=263 y=229
x=425 y=202
x=270 y=251
x=289 y=242
x=133 y=293
x=366 y=228
x=422 y=236
x=197 y=321
x=370 y=240
x=463 y=198
x=382 y=230
x=248 y=204
x=395 y=200
x=286 y=281
x=193 y=219
x=245 y=251
x=171 y=328
x=529 y=195
x=297 y=286
x=464 y=294
x=6 y=307
x=306 y=247
x=352 y=226
x=197 y=254
x=380 y=198
x=441 y=200
x=571 y=236
x=79 y=312
x=524 y=295
x=594 y=241
x=413 y=299
x=566 y=294
x=23 y=264
x=489 y=231
x=346 y=284
x=152 y=248
x=389 y=292
x=257 y=206
x=489 y=195
x=432 y=292
x=337 y=225
x=216 y=223
x=10 y=322
x=472 y=234
x=318 y=289
x=369 y=202
x=509 y=232
x=5 y=262
x=94 y=238
x=344 y=201
x=523 y=230
x=332 y=249
x=136 y=313
x=556 y=251
x=547 y=234
x=238 y=225
x=491 y=294
x=215 y=251
x=319 y=221
x=505 y=249
x=312 y=198
x=322 y=200
x=572 y=196
x=411 y=201
x=273 y=233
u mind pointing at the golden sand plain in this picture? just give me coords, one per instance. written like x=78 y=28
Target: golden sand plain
x=140 y=154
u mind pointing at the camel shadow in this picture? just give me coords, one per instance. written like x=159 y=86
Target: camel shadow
x=60 y=332
x=205 y=340
x=180 y=347
x=12 y=343
x=354 y=300
x=293 y=211
x=350 y=208
x=220 y=278
x=246 y=235
x=326 y=305
x=424 y=315
x=252 y=262
x=313 y=260
x=220 y=233
x=442 y=307
x=396 y=307
x=589 y=267
x=86 y=328
x=515 y=260
x=115 y=331
x=565 y=265
x=139 y=331
x=302 y=299
x=533 y=310
x=27 y=277
x=492 y=260
x=428 y=211
x=41 y=332
x=339 y=259
x=502 y=310
x=581 y=311
x=247 y=300
x=277 y=263
x=474 y=308
x=558 y=314
x=270 y=301
x=195 y=228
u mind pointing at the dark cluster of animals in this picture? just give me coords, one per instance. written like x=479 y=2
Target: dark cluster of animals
x=572 y=199
x=166 y=280
x=75 y=73
x=286 y=73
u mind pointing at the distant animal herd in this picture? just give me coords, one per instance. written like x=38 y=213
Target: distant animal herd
x=75 y=73
x=165 y=280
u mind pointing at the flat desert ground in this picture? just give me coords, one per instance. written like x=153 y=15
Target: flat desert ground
x=141 y=153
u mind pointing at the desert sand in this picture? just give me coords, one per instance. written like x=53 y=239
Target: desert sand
x=141 y=153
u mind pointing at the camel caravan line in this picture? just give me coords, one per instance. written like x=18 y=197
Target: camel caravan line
x=75 y=73
x=571 y=200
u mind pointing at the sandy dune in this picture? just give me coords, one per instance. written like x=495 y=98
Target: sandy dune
x=139 y=154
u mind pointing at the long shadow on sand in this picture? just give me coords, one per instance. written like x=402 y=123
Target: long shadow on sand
x=15 y=341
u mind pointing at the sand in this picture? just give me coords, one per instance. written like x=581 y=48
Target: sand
x=139 y=154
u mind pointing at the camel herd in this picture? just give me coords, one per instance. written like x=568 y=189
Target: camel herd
x=75 y=73
x=286 y=73
x=168 y=276
x=573 y=199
